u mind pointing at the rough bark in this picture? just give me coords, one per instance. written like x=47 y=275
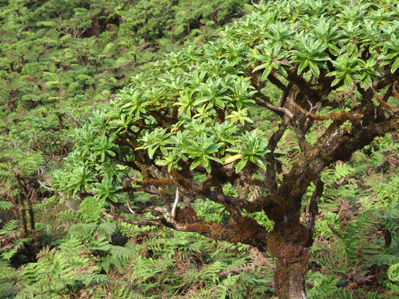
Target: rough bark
x=293 y=281
x=21 y=206
x=289 y=243
x=30 y=214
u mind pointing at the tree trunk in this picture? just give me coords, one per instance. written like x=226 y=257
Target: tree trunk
x=289 y=280
x=21 y=206
x=289 y=244
x=29 y=197
x=30 y=214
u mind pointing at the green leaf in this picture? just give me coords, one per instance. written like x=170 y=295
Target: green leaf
x=336 y=81
x=241 y=164
x=260 y=163
x=393 y=272
x=303 y=65
x=395 y=65
x=196 y=163
x=314 y=68
x=348 y=81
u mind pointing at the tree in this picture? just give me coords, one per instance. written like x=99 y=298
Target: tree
x=247 y=122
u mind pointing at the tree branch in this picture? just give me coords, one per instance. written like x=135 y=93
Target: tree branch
x=246 y=230
x=270 y=174
x=266 y=103
x=352 y=115
x=61 y=194
x=134 y=222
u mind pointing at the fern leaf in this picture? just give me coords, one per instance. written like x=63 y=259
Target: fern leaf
x=5 y=205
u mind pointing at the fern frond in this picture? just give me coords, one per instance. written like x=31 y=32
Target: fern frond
x=106 y=229
x=82 y=231
x=118 y=256
x=382 y=259
x=8 y=277
x=369 y=295
x=211 y=272
x=5 y=205
x=10 y=227
x=342 y=294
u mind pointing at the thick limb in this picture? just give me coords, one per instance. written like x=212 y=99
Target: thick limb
x=288 y=243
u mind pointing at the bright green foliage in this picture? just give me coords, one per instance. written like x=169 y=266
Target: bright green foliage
x=393 y=273
x=198 y=113
x=59 y=57
x=325 y=75
x=86 y=48
x=76 y=51
x=197 y=110
x=151 y=24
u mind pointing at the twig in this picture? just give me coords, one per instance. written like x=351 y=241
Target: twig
x=142 y=217
x=275 y=108
x=175 y=204
x=60 y=194
x=123 y=219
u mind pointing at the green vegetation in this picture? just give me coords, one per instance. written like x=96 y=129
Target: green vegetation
x=56 y=70
x=254 y=161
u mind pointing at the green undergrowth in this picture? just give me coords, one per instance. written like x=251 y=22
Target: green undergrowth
x=109 y=261
x=60 y=60
x=355 y=253
x=356 y=249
